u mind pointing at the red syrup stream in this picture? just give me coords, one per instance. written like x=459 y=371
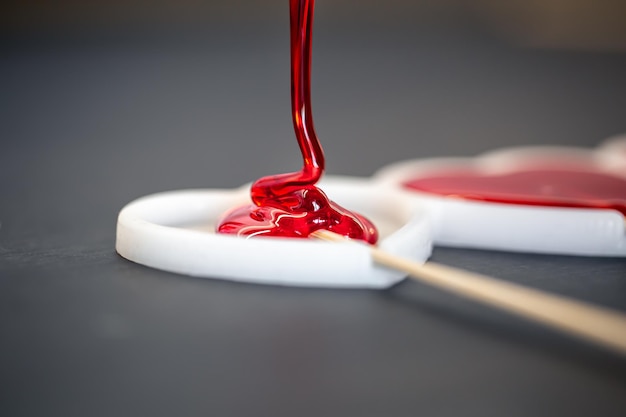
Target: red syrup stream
x=556 y=186
x=290 y=205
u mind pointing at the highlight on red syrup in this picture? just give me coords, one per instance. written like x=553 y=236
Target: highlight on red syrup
x=290 y=205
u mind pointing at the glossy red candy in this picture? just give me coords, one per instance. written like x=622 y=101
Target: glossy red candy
x=558 y=184
x=290 y=204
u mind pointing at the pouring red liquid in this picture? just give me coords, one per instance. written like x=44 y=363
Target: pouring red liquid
x=290 y=204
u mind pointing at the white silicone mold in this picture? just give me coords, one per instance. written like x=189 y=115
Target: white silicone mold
x=522 y=228
x=173 y=231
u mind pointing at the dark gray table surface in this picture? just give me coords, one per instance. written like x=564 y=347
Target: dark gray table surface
x=87 y=125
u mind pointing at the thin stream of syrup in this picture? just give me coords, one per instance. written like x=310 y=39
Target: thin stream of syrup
x=290 y=204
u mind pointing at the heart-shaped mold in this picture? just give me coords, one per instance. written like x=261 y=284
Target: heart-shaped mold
x=174 y=231
x=533 y=199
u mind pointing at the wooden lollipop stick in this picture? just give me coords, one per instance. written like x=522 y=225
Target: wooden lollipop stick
x=598 y=324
